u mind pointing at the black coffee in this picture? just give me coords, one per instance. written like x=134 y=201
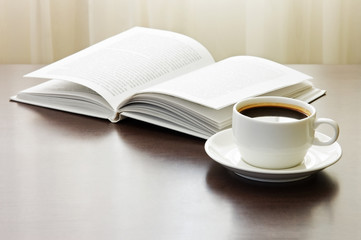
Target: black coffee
x=266 y=110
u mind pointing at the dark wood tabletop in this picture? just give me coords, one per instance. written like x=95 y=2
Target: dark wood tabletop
x=66 y=176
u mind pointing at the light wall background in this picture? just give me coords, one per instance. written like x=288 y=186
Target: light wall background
x=287 y=31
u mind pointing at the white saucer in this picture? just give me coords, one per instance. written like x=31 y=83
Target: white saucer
x=222 y=149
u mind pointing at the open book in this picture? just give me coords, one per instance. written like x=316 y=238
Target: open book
x=163 y=78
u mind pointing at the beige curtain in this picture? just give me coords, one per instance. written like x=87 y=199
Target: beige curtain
x=287 y=31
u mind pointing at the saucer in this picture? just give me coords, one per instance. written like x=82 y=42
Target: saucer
x=222 y=149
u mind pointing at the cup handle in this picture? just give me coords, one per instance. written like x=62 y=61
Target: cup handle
x=334 y=126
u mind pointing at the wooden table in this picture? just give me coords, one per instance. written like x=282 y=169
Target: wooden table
x=65 y=176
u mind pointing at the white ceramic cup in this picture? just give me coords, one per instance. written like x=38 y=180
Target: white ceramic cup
x=277 y=142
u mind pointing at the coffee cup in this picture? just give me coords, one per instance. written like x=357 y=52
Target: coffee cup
x=276 y=132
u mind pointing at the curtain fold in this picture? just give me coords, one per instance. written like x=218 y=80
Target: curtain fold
x=287 y=31
x=41 y=44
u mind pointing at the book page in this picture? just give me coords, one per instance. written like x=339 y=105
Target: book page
x=228 y=81
x=120 y=66
x=67 y=96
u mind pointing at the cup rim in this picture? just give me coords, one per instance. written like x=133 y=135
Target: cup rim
x=274 y=99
